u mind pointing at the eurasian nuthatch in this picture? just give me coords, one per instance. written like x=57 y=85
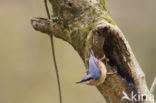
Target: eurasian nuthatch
x=97 y=71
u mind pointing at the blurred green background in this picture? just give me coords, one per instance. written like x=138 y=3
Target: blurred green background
x=26 y=69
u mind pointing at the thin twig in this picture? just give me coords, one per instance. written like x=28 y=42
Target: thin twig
x=53 y=53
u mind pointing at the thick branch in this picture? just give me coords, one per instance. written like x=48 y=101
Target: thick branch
x=87 y=23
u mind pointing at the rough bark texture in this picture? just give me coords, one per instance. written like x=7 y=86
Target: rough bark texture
x=87 y=23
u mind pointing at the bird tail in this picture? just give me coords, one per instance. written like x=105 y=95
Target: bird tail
x=91 y=52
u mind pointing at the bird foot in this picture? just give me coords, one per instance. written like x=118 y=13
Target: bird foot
x=104 y=58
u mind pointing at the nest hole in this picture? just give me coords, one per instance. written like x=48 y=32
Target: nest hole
x=116 y=51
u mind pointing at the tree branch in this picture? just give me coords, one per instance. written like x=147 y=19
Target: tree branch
x=87 y=23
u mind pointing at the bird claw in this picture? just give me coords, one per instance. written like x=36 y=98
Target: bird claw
x=104 y=58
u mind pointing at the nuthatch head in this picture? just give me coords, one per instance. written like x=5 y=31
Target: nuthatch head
x=97 y=71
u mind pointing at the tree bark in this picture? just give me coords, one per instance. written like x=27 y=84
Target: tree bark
x=87 y=23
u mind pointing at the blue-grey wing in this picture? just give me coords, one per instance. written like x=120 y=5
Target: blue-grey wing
x=94 y=69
